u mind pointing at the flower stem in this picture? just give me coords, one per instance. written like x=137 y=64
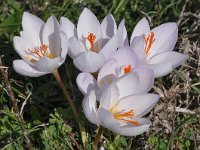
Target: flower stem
x=69 y=100
x=98 y=137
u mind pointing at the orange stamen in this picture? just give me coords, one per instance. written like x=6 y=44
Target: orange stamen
x=129 y=114
x=148 y=42
x=131 y=121
x=91 y=37
x=39 y=51
x=127 y=69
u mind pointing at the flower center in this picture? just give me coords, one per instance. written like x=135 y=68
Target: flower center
x=127 y=69
x=148 y=42
x=120 y=71
x=38 y=52
x=126 y=116
x=91 y=38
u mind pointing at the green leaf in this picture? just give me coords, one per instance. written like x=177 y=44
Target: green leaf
x=11 y=24
x=162 y=146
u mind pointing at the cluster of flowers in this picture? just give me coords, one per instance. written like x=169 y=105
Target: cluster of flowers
x=116 y=75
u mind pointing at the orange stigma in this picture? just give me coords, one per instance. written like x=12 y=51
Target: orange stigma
x=91 y=37
x=127 y=69
x=128 y=114
x=148 y=42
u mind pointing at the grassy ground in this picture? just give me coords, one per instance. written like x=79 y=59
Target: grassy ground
x=48 y=119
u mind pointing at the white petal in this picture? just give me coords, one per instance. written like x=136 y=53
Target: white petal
x=137 y=45
x=142 y=28
x=68 y=27
x=86 y=82
x=32 y=26
x=122 y=34
x=141 y=104
x=107 y=72
x=110 y=47
x=108 y=26
x=46 y=64
x=166 y=36
x=128 y=84
x=88 y=23
x=126 y=56
x=21 y=46
x=23 y=68
x=89 y=61
x=106 y=118
x=173 y=58
x=51 y=36
x=146 y=79
x=109 y=97
x=133 y=130
x=89 y=107
x=64 y=45
x=160 y=70
x=75 y=47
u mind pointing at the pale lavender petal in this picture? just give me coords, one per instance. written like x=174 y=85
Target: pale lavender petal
x=88 y=23
x=106 y=118
x=23 y=68
x=64 y=45
x=32 y=26
x=146 y=77
x=126 y=56
x=110 y=47
x=107 y=72
x=86 y=82
x=51 y=36
x=46 y=64
x=160 y=70
x=109 y=97
x=89 y=107
x=89 y=62
x=173 y=58
x=142 y=28
x=166 y=36
x=108 y=26
x=141 y=104
x=75 y=48
x=128 y=84
x=68 y=27
x=132 y=130
x=137 y=45
x=21 y=46
x=122 y=34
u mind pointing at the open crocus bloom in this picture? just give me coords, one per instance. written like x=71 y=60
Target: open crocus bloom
x=122 y=62
x=42 y=47
x=120 y=115
x=154 y=47
x=94 y=42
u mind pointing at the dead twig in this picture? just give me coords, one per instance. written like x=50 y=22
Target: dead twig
x=181 y=110
x=182 y=12
x=4 y=73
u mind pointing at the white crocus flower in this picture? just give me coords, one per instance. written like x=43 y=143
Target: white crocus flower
x=121 y=115
x=42 y=46
x=154 y=47
x=93 y=42
x=122 y=62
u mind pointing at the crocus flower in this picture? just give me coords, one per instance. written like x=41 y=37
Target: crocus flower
x=42 y=46
x=154 y=47
x=120 y=115
x=122 y=62
x=93 y=42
